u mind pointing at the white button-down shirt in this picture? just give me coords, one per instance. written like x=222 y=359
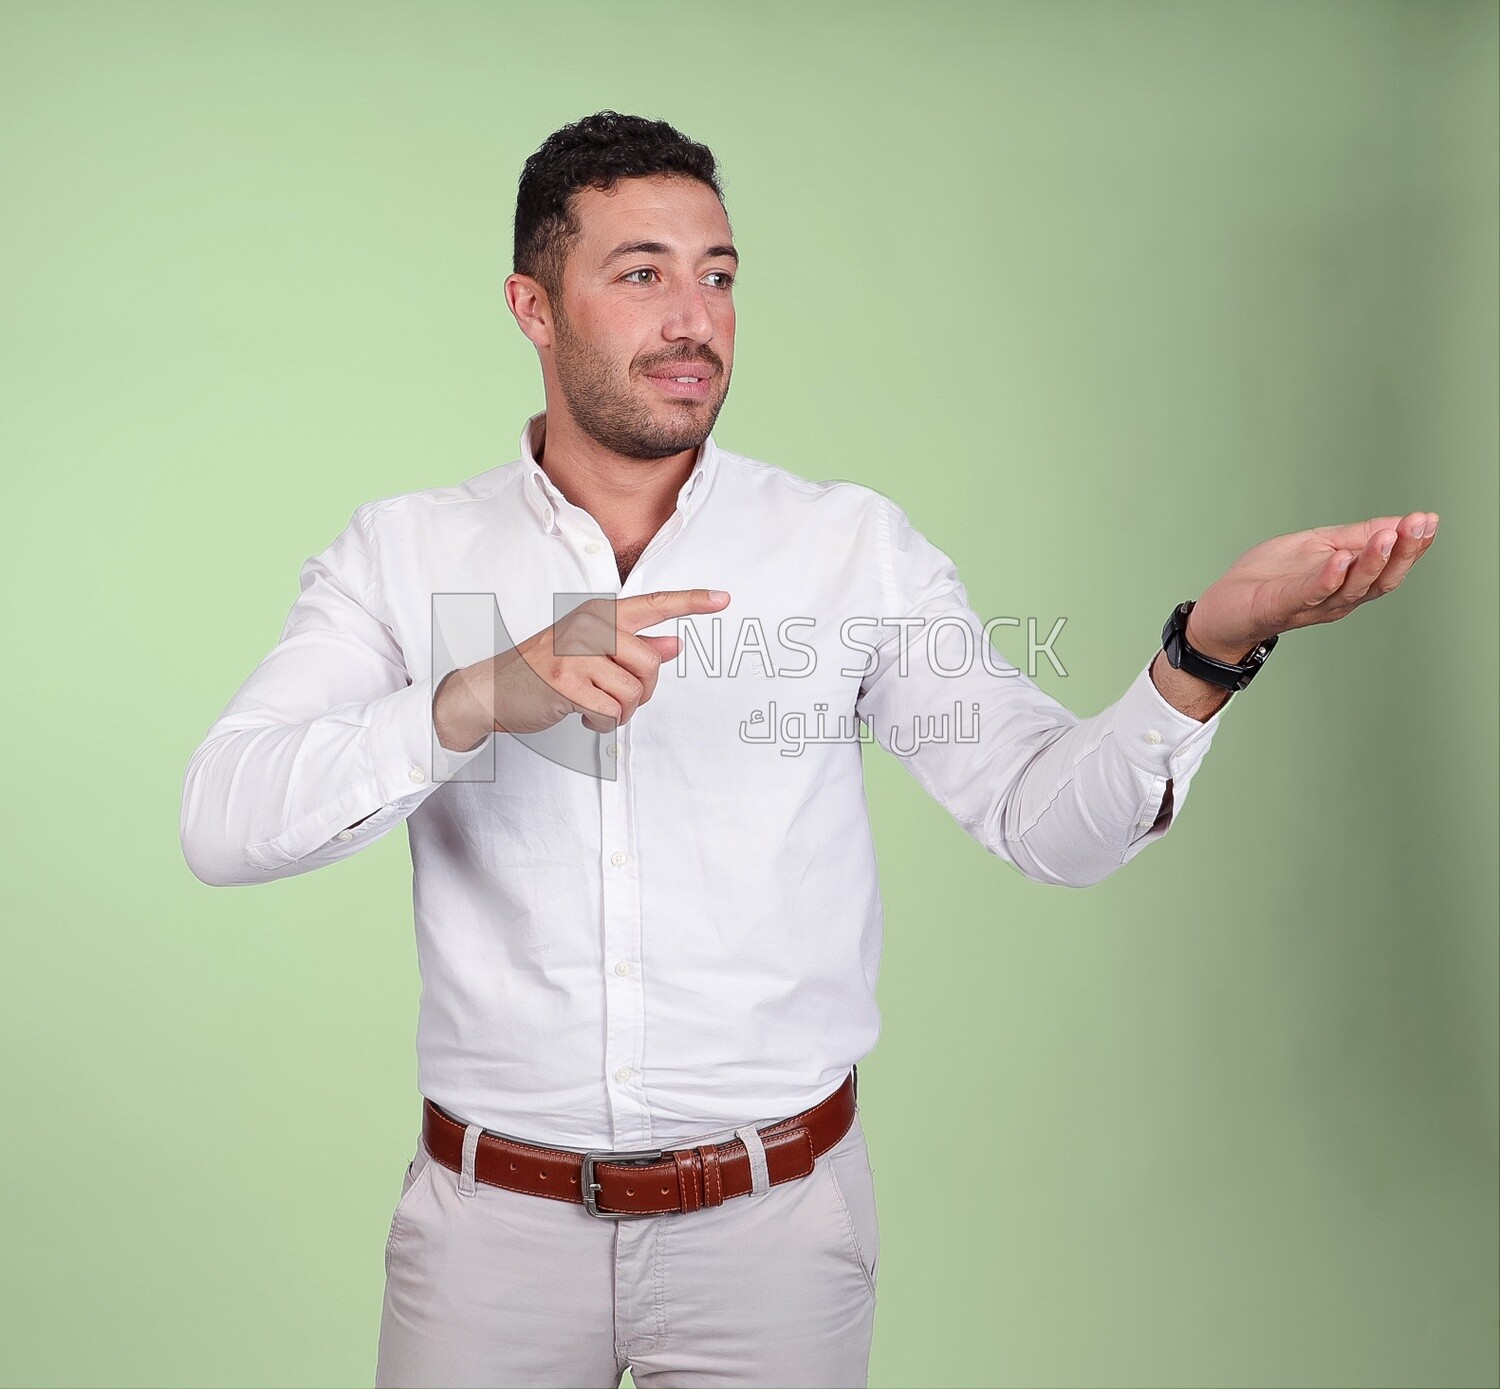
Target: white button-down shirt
x=640 y=938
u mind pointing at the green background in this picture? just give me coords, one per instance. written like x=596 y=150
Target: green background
x=1103 y=294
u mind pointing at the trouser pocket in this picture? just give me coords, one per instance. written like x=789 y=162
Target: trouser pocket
x=853 y=1181
x=412 y=1182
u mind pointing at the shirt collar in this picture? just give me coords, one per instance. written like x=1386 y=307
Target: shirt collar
x=547 y=501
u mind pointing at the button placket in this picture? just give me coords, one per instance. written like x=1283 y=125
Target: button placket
x=624 y=1002
x=596 y=557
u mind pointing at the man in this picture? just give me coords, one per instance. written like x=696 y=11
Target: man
x=647 y=914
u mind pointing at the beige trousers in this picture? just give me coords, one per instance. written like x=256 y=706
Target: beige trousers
x=486 y=1286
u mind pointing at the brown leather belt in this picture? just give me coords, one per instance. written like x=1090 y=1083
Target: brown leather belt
x=620 y=1186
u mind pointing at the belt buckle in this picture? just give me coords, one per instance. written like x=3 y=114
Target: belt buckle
x=590 y=1186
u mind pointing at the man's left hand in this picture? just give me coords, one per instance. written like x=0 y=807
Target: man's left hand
x=1305 y=578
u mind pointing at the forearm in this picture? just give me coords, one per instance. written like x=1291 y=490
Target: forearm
x=1090 y=797
x=1198 y=699
x=267 y=800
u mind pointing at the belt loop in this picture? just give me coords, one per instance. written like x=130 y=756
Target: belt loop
x=760 y=1174
x=471 y=1147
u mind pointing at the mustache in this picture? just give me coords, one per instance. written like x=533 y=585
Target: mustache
x=704 y=357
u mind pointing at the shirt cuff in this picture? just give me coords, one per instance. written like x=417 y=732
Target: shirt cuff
x=1156 y=736
x=409 y=760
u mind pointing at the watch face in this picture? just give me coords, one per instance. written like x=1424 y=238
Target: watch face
x=1172 y=634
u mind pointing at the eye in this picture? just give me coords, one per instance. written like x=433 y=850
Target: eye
x=644 y=270
x=726 y=276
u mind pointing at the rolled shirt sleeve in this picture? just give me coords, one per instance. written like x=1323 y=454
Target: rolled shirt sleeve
x=1063 y=799
x=329 y=743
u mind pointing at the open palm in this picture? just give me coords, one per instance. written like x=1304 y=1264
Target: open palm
x=1307 y=577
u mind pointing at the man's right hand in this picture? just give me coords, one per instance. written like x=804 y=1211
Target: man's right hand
x=591 y=661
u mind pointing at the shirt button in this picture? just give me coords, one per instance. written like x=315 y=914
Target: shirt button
x=613 y=749
x=623 y=968
x=1145 y=824
x=417 y=775
x=623 y=1074
x=617 y=858
x=346 y=835
x=547 y=515
x=593 y=547
x=1152 y=736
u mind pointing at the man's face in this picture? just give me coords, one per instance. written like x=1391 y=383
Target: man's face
x=647 y=297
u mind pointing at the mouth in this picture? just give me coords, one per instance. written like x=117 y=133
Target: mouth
x=683 y=383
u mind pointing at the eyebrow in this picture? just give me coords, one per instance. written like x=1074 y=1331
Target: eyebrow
x=660 y=248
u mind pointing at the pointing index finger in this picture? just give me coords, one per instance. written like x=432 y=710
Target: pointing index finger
x=647 y=609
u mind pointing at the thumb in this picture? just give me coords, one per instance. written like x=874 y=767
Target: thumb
x=667 y=646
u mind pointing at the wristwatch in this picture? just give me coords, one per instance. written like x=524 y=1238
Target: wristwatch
x=1182 y=656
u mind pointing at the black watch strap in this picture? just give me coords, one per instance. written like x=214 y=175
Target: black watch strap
x=1183 y=657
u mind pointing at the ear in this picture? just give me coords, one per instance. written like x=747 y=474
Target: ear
x=528 y=301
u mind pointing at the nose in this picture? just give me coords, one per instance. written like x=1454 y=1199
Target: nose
x=689 y=318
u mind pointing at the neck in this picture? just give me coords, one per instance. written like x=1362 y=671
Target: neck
x=630 y=498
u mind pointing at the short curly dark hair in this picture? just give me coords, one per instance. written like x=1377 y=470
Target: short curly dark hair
x=594 y=152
